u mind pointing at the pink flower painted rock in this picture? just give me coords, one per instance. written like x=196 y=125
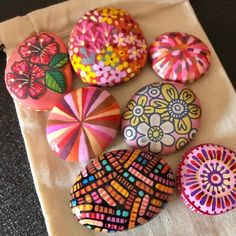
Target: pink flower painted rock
x=179 y=57
x=161 y=118
x=107 y=47
x=38 y=72
x=207 y=178
x=83 y=124
x=120 y=190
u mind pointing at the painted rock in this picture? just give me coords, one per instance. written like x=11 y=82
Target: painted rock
x=207 y=179
x=83 y=124
x=179 y=57
x=38 y=72
x=121 y=190
x=161 y=118
x=107 y=47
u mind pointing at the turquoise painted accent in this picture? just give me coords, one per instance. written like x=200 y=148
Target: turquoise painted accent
x=108 y=168
x=159 y=166
x=118 y=213
x=144 y=162
x=139 y=159
x=74 y=203
x=125 y=213
x=131 y=179
x=156 y=171
x=91 y=178
x=104 y=162
x=126 y=174
x=141 y=193
x=85 y=181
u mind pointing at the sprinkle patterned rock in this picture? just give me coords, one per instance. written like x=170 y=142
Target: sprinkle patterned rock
x=121 y=190
x=207 y=179
x=179 y=57
x=107 y=47
x=161 y=118
x=83 y=124
x=38 y=72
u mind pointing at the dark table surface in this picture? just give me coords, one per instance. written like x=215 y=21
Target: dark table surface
x=20 y=212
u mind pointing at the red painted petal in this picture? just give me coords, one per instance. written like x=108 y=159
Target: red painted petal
x=24 y=51
x=19 y=90
x=45 y=39
x=10 y=79
x=20 y=67
x=43 y=59
x=36 y=90
x=51 y=49
x=37 y=73
x=32 y=40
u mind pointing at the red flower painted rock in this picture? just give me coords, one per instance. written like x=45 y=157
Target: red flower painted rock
x=121 y=190
x=162 y=117
x=107 y=47
x=83 y=124
x=179 y=57
x=38 y=72
x=207 y=179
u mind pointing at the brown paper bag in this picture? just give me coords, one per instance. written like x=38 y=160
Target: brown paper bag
x=54 y=177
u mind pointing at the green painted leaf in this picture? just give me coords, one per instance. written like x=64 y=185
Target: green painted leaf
x=59 y=60
x=55 y=81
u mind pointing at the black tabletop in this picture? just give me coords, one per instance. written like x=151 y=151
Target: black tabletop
x=20 y=212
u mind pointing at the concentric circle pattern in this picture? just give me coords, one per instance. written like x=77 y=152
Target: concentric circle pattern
x=83 y=124
x=179 y=57
x=207 y=179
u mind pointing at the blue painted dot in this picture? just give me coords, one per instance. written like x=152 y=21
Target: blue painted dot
x=144 y=162
x=126 y=174
x=125 y=213
x=141 y=193
x=159 y=166
x=139 y=159
x=118 y=213
x=108 y=168
x=74 y=203
x=104 y=162
x=85 y=181
x=131 y=179
x=91 y=178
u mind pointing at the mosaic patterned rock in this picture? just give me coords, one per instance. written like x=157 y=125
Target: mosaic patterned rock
x=179 y=57
x=161 y=118
x=83 y=124
x=121 y=190
x=107 y=47
x=207 y=179
x=38 y=72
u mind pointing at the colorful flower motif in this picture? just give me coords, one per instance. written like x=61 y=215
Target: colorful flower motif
x=142 y=46
x=111 y=59
x=155 y=134
x=26 y=80
x=108 y=15
x=137 y=112
x=119 y=39
x=179 y=108
x=87 y=74
x=134 y=53
x=39 y=49
x=131 y=38
x=101 y=70
x=76 y=63
x=117 y=75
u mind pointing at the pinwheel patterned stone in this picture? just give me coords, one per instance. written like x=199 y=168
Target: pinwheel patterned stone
x=161 y=118
x=38 y=72
x=207 y=179
x=179 y=57
x=83 y=124
x=121 y=190
x=107 y=47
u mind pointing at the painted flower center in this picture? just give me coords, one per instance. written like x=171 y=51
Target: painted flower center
x=178 y=108
x=155 y=133
x=138 y=110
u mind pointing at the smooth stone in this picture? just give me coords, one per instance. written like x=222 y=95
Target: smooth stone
x=107 y=47
x=162 y=118
x=83 y=124
x=179 y=57
x=207 y=178
x=129 y=194
x=38 y=72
